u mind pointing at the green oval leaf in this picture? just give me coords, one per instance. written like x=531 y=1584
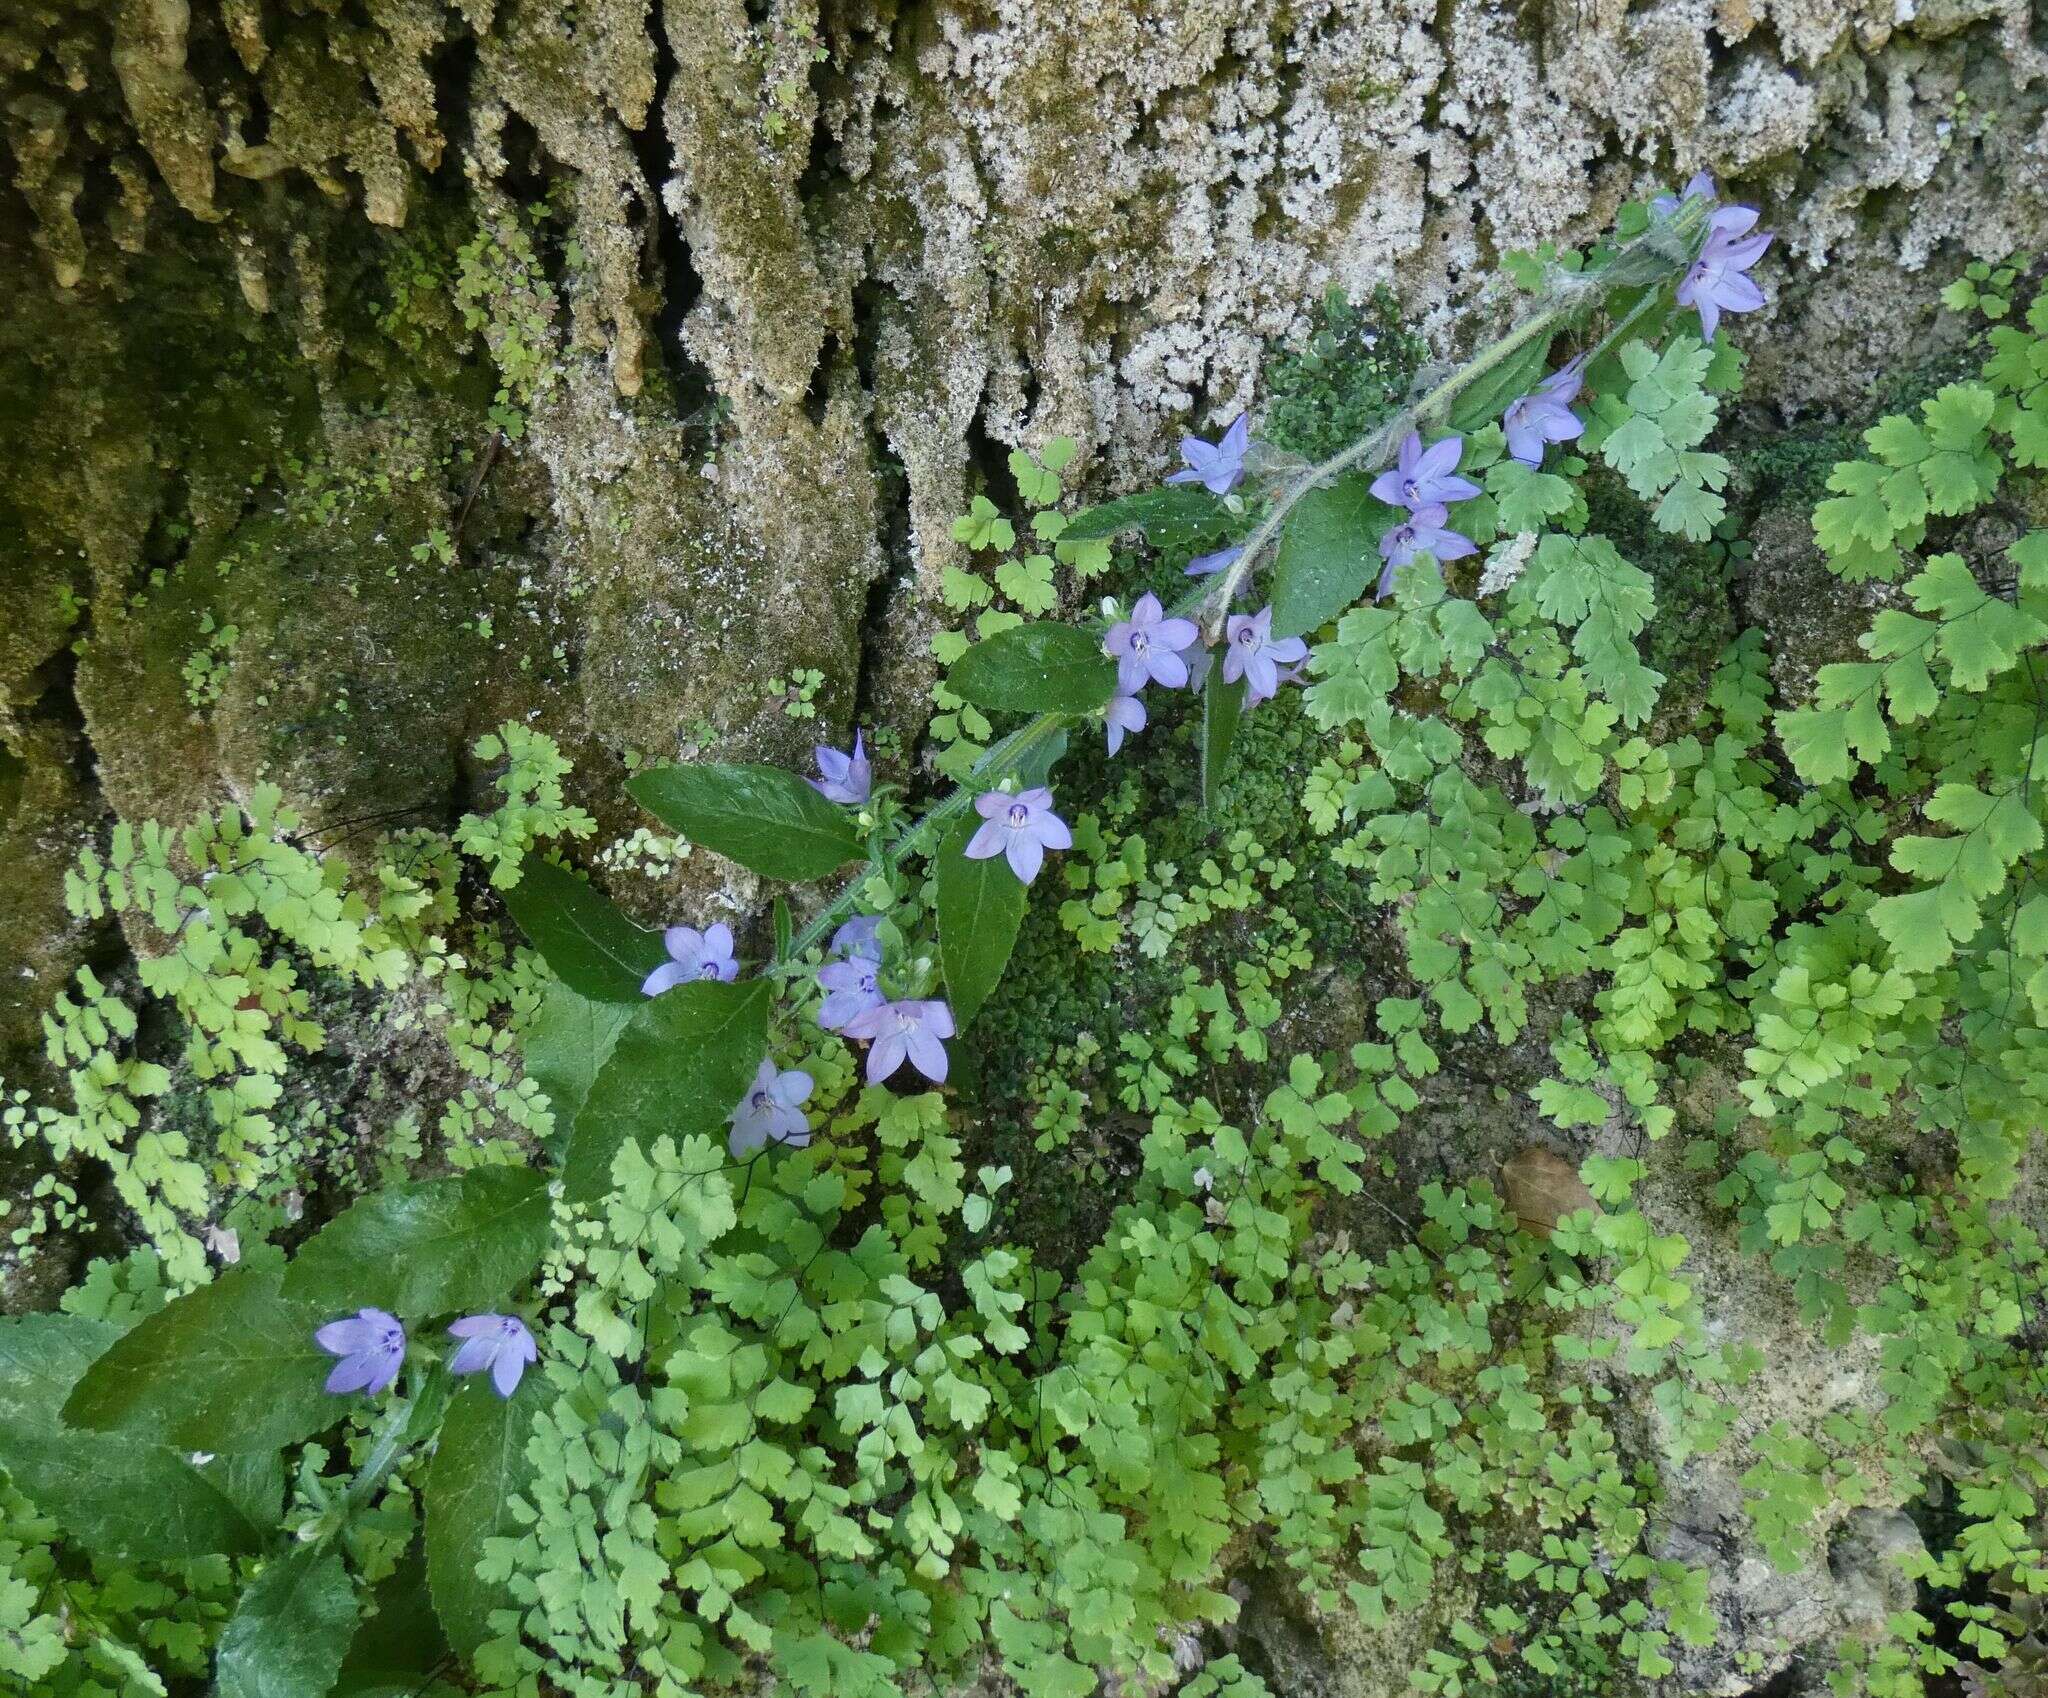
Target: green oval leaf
x=768 y=820
x=590 y=946
x=568 y=1041
x=122 y=1499
x=1328 y=554
x=1487 y=397
x=981 y=905
x=430 y=1248
x=231 y=1366
x=679 y=1067
x=1172 y=517
x=291 y=1630
x=479 y=1466
x=1222 y=708
x=398 y=1648
x=1036 y=669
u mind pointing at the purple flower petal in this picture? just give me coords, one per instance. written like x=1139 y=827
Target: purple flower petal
x=665 y=977
x=1026 y=854
x=505 y=1372
x=1124 y=713
x=886 y=1054
x=926 y=1053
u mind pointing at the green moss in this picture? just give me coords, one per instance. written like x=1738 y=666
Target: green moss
x=1353 y=369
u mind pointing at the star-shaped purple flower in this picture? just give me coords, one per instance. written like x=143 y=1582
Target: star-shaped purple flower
x=850 y=990
x=895 y=1030
x=500 y=1343
x=371 y=1345
x=1717 y=282
x=1545 y=415
x=1021 y=827
x=771 y=1111
x=1252 y=653
x=1701 y=187
x=843 y=778
x=1425 y=477
x=693 y=955
x=859 y=936
x=1124 y=713
x=1421 y=532
x=1216 y=466
x=1148 y=647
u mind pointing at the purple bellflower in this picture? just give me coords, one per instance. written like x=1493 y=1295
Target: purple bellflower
x=843 y=778
x=1147 y=648
x=1425 y=477
x=772 y=1111
x=859 y=936
x=1252 y=653
x=1208 y=565
x=1124 y=713
x=1717 y=282
x=1422 y=532
x=1021 y=827
x=1217 y=465
x=850 y=990
x=894 y=1030
x=371 y=1345
x=1545 y=415
x=1701 y=188
x=693 y=955
x=500 y=1343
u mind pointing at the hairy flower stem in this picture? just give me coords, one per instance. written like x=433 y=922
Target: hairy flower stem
x=1666 y=248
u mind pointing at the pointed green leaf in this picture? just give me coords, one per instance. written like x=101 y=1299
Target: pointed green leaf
x=432 y=1248
x=568 y=1042
x=231 y=1366
x=1487 y=397
x=1173 y=517
x=590 y=946
x=1222 y=708
x=399 y=1646
x=1035 y=768
x=679 y=1067
x=479 y=1466
x=1328 y=555
x=1036 y=669
x=289 y=1634
x=768 y=820
x=122 y=1499
x=981 y=905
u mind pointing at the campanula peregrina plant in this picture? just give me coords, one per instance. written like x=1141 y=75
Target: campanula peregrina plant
x=772 y=1111
x=1718 y=280
x=1020 y=827
x=851 y=988
x=1208 y=565
x=1425 y=477
x=371 y=1345
x=498 y=1344
x=1124 y=714
x=896 y=1031
x=1256 y=655
x=1700 y=187
x=1216 y=466
x=859 y=936
x=1148 y=649
x=1424 y=531
x=843 y=777
x=1543 y=416
x=693 y=955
